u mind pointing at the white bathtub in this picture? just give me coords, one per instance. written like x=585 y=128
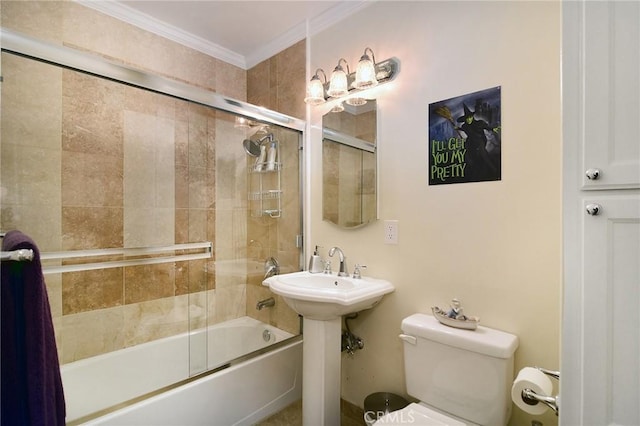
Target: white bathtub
x=226 y=397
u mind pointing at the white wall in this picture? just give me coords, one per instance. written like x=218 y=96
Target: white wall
x=494 y=245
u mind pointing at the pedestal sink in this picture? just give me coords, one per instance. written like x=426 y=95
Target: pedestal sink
x=322 y=300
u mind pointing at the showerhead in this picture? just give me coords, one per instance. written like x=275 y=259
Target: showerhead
x=252 y=145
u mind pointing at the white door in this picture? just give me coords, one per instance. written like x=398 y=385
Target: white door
x=611 y=382
x=610 y=56
x=600 y=363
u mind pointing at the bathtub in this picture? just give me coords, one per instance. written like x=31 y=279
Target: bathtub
x=227 y=396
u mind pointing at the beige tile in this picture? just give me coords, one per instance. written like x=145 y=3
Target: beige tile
x=350 y=415
x=148 y=282
x=155 y=319
x=41 y=19
x=92 y=333
x=92 y=116
x=211 y=307
x=197 y=225
x=32 y=103
x=181 y=186
x=30 y=175
x=91 y=290
x=54 y=292
x=150 y=103
x=149 y=156
x=291 y=84
x=91 y=227
x=198 y=188
x=147 y=227
x=197 y=275
x=90 y=179
x=181 y=226
x=41 y=223
x=230 y=303
x=231 y=81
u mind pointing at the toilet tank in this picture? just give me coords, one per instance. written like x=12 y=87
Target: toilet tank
x=467 y=373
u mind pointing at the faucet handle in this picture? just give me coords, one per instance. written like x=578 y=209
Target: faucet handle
x=356 y=270
x=327 y=267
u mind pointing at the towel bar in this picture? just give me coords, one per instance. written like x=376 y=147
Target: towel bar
x=17 y=255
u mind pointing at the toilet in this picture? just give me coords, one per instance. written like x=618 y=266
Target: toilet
x=461 y=377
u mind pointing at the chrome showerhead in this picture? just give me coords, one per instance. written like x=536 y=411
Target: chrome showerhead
x=252 y=145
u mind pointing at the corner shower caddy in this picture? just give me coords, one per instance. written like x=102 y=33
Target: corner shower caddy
x=265 y=188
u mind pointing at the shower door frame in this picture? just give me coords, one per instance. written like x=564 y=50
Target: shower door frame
x=23 y=45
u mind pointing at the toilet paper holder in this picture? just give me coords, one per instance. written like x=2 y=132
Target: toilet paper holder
x=531 y=398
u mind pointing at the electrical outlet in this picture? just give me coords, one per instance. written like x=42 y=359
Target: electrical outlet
x=391 y=232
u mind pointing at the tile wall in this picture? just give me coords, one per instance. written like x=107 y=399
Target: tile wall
x=88 y=163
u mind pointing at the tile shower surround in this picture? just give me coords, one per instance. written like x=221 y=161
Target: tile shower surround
x=70 y=191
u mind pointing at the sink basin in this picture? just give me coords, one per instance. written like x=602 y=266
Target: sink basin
x=327 y=296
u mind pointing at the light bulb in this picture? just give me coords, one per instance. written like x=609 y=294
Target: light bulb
x=365 y=72
x=338 y=84
x=315 y=92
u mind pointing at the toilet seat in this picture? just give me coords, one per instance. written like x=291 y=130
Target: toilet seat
x=418 y=414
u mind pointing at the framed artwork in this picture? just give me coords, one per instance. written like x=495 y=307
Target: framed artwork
x=465 y=138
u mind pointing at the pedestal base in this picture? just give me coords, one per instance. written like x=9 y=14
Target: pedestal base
x=321 y=372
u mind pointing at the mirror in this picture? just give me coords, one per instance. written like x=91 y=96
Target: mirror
x=349 y=165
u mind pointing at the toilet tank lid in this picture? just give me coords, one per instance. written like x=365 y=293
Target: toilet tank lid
x=483 y=340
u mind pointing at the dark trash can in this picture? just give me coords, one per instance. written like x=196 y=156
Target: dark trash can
x=378 y=404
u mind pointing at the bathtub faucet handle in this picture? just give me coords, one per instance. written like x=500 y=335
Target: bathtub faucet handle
x=271 y=267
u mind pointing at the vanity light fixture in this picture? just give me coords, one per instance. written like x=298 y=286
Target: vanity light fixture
x=315 y=89
x=342 y=84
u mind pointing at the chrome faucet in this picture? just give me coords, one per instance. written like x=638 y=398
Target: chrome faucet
x=343 y=261
x=266 y=303
x=271 y=267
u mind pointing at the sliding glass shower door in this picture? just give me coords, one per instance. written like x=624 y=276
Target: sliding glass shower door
x=154 y=224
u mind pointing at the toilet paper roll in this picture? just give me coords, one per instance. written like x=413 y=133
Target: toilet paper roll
x=537 y=381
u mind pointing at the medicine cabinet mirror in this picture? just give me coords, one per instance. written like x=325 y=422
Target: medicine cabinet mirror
x=349 y=165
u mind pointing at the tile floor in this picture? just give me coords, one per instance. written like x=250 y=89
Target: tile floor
x=292 y=416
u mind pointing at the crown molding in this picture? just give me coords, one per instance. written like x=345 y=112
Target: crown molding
x=336 y=14
x=299 y=32
x=141 y=20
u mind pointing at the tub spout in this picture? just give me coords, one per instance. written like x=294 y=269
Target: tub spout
x=266 y=303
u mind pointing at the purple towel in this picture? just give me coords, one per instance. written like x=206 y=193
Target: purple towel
x=31 y=385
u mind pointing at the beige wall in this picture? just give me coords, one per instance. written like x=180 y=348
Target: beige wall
x=494 y=245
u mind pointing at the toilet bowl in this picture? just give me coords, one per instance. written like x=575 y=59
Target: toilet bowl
x=461 y=377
